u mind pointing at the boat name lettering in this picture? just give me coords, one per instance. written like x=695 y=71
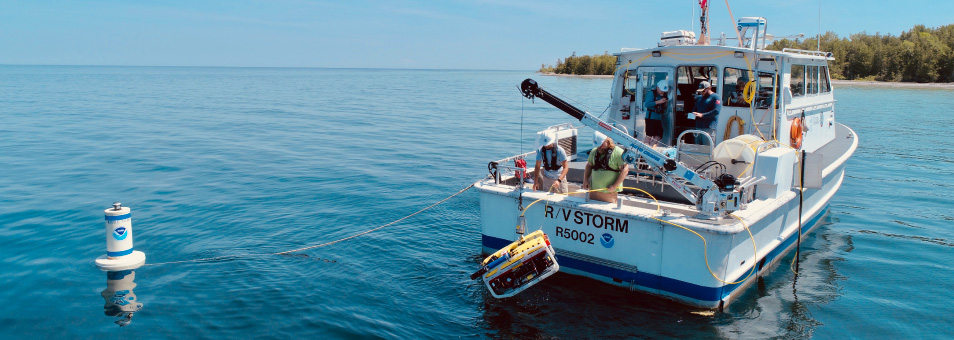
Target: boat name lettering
x=643 y=151
x=589 y=219
x=575 y=235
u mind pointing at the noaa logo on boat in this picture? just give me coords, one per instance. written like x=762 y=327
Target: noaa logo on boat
x=120 y=233
x=607 y=240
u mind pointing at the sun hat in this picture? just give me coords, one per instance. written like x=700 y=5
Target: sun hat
x=546 y=138
x=598 y=139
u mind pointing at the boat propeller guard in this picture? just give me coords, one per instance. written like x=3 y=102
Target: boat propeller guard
x=518 y=266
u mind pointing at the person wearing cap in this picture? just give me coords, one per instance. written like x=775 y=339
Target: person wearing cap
x=605 y=170
x=707 y=108
x=552 y=159
x=656 y=106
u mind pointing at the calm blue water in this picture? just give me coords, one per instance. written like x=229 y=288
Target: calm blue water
x=231 y=161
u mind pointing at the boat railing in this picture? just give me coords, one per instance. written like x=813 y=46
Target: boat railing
x=793 y=111
x=692 y=154
x=508 y=165
x=807 y=52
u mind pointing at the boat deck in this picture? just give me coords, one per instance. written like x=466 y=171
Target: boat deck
x=827 y=157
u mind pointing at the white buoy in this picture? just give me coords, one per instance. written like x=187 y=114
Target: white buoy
x=119 y=242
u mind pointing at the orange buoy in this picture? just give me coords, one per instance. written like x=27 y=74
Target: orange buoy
x=796 y=133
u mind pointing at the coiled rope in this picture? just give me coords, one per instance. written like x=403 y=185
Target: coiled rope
x=224 y=257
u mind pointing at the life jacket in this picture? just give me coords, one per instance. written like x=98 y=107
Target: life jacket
x=602 y=160
x=522 y=165
x=658 y=109
x=550 y=164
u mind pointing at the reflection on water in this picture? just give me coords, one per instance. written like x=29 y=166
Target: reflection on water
x=573 y=307
x=782 y=304
x=777 y=304
x=120 y=299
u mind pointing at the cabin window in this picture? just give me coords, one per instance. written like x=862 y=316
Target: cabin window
x=689 y=77
x=734 y=81
x=823 y=77
x=763 y=98
x=812 y=75
x=798 y=80
x=630 y=79
x=734 y=84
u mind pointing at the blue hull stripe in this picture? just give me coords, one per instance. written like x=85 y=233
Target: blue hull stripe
x=119 y=253
x=652 y=281
x=117 y=218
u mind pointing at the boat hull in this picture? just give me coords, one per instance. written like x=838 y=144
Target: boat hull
x=636 y=245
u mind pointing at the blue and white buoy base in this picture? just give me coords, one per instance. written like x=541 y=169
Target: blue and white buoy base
x=132 y=261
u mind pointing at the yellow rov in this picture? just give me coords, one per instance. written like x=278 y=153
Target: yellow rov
x=519 y=265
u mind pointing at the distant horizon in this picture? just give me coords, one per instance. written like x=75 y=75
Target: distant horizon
x=402 y=34
x=288 y=67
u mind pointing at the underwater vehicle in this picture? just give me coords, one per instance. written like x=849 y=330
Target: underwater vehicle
x=519 y=265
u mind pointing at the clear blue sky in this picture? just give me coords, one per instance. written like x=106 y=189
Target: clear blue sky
x=442 y=34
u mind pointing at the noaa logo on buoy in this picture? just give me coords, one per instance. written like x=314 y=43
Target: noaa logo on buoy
x=607 y=240
x=120 y=233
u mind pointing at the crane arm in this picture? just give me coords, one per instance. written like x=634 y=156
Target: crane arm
x=674 y=173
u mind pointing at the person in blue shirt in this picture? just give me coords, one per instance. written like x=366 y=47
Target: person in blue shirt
x=708 y=106
x=656 y=104
x=550 y=171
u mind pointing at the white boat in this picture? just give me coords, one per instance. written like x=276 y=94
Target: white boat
x=702 y=237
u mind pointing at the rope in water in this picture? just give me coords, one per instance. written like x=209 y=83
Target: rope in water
x=224 y=257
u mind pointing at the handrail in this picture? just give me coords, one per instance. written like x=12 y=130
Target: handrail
x=505 y=160
x=807 y=52
x=695 y=132
x=810 y=105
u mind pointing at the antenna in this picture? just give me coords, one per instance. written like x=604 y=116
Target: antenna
x=819 y=26
x=692 y=19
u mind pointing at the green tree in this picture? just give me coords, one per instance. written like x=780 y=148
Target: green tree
x=922 y=54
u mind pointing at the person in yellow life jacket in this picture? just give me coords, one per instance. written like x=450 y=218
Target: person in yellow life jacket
x=552 y=159
x=605 y=169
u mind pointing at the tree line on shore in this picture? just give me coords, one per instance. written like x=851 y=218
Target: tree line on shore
x=924 y=55
x=595 y=64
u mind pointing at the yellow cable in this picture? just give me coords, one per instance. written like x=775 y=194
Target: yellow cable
x=640 y=60
x=705 y=244
x=752 y=73
x=747 y=95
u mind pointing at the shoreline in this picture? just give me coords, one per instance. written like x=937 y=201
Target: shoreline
x=590 y=76
x=869 y=83
x=862 y=83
